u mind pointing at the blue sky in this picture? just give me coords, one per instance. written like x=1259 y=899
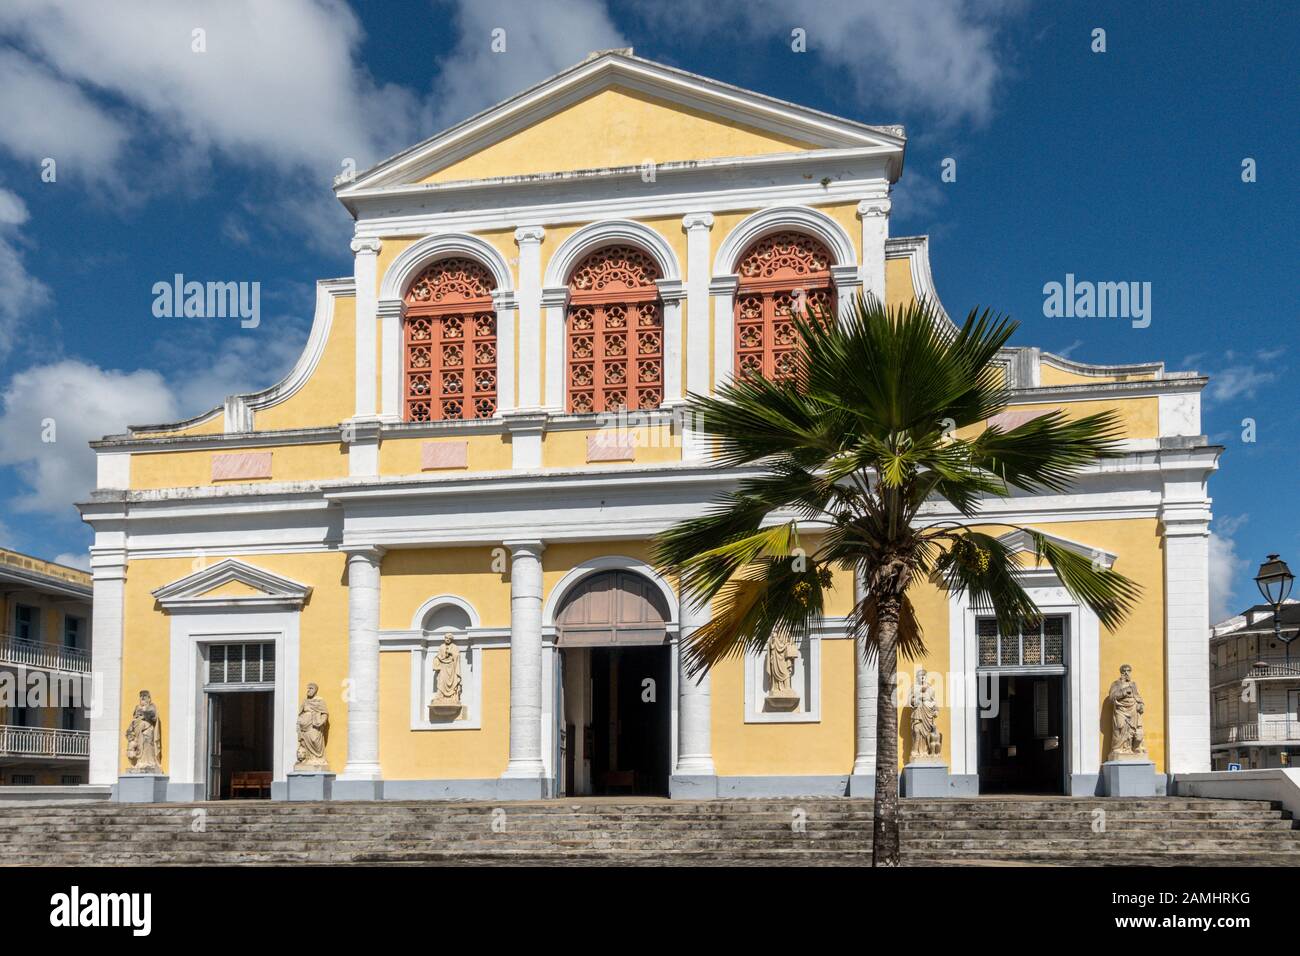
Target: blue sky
x=1117 y=166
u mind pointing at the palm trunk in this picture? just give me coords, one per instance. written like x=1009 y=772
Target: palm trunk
x=884 y=817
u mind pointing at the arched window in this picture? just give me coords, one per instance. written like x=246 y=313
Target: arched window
x=615 y=332
x=450 y=355
x=782 y=277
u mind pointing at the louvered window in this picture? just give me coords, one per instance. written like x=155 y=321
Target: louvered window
x=1032 y=647
x=784 y=279
x=241 y=664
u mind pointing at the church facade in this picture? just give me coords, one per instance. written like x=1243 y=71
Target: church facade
x=441 y=518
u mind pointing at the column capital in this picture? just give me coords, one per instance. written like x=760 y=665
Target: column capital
x=529 y=234
x=870 y=208
x=371 y=553
x=533 y=546
x=365 y=245
x=697 y=220
x=724 y=285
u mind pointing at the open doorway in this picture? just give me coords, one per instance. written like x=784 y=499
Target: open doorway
x=240 y=742
x=1021 y=745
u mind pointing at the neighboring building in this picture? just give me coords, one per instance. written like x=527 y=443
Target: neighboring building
x=44 y=671
x=1255 y=720
x=446 y=458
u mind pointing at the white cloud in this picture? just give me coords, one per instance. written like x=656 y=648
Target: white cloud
x=540 y=39
x=84 y=402
x=939 y=57
x=277 y=83
x=20 y=291
x=79 y=559
x=1226 y=567
x=1240 y=380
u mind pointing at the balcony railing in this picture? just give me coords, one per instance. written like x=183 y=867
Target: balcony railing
x=43 y=742
x=1254 y=670
x=52 y=657
x=1257 y=732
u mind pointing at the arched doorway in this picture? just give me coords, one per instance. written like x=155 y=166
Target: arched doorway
x=612 y=633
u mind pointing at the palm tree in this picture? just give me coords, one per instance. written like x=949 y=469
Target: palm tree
x=847 y=458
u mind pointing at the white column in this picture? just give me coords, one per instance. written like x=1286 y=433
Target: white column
x=529 y=295
x=874 y=214
x=1185 y=528
x=505 y=306
x=108 y=565
x=671 y=293
x=698 y=274
x=525 y=660
x=365 y=269
x=555 y=304
x=363 y=664
x=864 y=703
x=694 y=716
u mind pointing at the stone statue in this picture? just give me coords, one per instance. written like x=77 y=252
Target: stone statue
x=446 y=664
x=143 y=741
x=1127 y=737
x=782 y=652
x=927 y=741
x=313 y=723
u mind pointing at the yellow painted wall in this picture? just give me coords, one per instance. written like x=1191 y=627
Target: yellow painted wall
x=401 y=456
x=323 y=628
x=407 y=754
x=651 y=444
x=1049 y=375
x=616 y=127
x=329 y=396
x=188 y=469
x=410 y=576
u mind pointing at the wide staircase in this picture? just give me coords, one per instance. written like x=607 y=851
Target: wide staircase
x=820 y=832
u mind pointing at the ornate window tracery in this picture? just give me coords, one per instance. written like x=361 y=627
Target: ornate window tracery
x=450 y=355
x=784 y=277
x=615 y=332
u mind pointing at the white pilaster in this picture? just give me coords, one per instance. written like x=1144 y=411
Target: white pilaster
x=865 y=674
x=555 y=305
x=390 y=315
x=1185 y=528
x=363 y=664
x=671 y=293
x=529 y=295
x=525 y=660
x=874 y=214
x=108 y=566
x=722 y=291
x=698 y=274
x=365 y=269
x=694 y=704
x=505 y=305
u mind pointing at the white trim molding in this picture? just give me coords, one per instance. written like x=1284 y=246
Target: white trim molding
x=610 y=232
x=777 y=219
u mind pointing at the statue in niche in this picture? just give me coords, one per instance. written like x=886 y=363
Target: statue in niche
x=927 y=741
x=143 y=742
x=782 y=652
x=447 y=669
x=313 y=724
x=1127 y=737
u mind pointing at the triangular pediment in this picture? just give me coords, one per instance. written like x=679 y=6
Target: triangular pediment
x=232 y=583
x=615 y=111
x=1021 y=546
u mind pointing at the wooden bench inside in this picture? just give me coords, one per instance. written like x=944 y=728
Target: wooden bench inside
x=256 y=781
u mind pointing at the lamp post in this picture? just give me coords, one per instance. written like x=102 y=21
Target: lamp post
x=1274 y=581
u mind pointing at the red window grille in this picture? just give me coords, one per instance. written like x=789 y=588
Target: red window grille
x=451 y=343
x=783 y=278
x=615 y=332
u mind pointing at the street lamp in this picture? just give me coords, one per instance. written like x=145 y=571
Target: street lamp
x=1274 y=582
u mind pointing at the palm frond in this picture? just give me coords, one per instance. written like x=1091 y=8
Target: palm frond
x=1108 y=593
